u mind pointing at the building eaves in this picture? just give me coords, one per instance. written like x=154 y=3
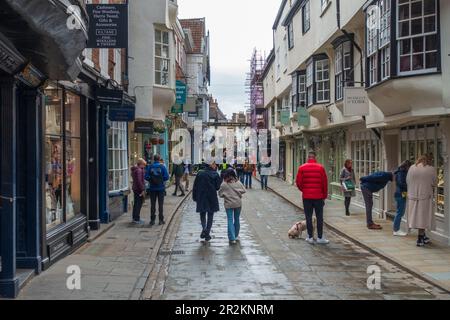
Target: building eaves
x=280 y=13
x=269 y=62
x=292 y=12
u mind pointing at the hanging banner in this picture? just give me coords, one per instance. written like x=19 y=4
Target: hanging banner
x=285 y=117
x=356 y=102
x=108 y=26
x=145 y=127
x=181 y=92
x=304 y=119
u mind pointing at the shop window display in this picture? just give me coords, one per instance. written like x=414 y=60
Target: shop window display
x=62 y=156
x=425 y=139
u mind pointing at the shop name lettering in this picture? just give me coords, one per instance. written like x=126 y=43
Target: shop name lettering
x=356 y=100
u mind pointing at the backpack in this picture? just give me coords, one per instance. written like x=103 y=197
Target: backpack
x=156 y=176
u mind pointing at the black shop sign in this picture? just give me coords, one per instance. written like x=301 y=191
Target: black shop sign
x=108 y=26
x=109 y=97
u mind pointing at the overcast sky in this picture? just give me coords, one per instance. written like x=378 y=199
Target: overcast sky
x=236 y=27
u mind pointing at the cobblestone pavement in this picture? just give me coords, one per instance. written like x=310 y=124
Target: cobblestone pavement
x=268 y=265
x=116 y=266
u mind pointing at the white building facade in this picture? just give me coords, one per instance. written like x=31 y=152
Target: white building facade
x=321 y=47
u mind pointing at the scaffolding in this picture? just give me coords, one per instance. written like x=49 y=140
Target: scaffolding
x=255 y=91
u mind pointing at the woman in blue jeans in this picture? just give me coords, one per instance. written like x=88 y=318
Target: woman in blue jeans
x=400 y=197
x=232 y=190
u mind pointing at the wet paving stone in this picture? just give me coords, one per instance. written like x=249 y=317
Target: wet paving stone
x=266 y=264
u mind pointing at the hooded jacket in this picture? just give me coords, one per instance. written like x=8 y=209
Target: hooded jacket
x=232 y=193
x=376 y=181
x=165 y=176
x=204 y=191
x=137 y=175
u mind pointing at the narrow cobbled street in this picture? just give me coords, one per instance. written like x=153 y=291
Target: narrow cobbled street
x=268 y=265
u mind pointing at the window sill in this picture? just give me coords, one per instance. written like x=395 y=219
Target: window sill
x=324 y=10
x=403 y=76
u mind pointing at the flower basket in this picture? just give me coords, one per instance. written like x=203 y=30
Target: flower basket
x=161 y=141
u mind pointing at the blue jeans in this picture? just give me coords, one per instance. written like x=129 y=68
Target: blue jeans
x=234 y=225
x=401 y=208
x=248 y=180
x=241 y=176
x=264 y=180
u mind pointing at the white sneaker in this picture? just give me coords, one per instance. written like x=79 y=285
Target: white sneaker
x=400 y=234
x=310 y=240
x=323 y=241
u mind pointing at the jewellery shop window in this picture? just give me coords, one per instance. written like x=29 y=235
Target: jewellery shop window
x=426 y=140
x=62 y=156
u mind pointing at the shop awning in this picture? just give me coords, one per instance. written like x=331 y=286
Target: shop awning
x=47 y=34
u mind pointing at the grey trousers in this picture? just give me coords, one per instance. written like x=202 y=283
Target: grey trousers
x=368 y=200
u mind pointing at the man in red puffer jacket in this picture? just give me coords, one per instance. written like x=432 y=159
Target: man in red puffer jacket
x=312 y=181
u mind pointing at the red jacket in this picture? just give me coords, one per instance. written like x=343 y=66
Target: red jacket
x=312 y=181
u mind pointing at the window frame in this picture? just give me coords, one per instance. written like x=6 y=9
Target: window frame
x=344 y=75
x=306 y=16
x=164 y=60
x=116 y=129
x=385 y=63
x=290 y=35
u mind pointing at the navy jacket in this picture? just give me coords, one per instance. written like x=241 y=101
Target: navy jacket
x=400 y=180
x=165 y=173
x=204 y=192
x=376 y=181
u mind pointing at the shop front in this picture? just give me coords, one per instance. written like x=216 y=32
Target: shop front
x=64 y=160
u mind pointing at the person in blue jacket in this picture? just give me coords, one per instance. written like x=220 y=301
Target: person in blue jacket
x=400 y=196
x=370 y=185
x=157 y=175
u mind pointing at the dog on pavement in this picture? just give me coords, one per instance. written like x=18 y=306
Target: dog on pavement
x=297 y=229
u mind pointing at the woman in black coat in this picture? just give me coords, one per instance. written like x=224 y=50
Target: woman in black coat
x=204 y=193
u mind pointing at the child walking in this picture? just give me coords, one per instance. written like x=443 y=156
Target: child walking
x=232 y=190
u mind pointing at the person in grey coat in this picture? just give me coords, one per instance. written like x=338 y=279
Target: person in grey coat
x=232 y=190
x=348 y=174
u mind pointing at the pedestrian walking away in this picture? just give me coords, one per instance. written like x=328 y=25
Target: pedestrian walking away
x=312 y=181
x=421 y=181
x=157 y=175
x=401 y=193
x=263 y=170
x=348 y=181
x=370 y=185
x=248 y=172
x=240 y=172
x=232 y=190
x=138 y=176
x=178 y=173
x=204 y=193
x=187 y=173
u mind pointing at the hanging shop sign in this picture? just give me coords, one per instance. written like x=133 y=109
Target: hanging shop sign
x=125 y=113
x=108 y=26
x=177 y=109
x=145 y=127
x=285 y=117
x=109 y=97
x=304 y=119
x=181 y=92
x=190 y=105
x=356 y=102
x=192 y=114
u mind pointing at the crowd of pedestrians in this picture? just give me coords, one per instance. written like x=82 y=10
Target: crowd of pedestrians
x=415 y=184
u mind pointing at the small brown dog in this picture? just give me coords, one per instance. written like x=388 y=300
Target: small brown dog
x=297 y=229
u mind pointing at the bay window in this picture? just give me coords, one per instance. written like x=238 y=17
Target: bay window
x=322 y=81
x=317 y=80
x=414 y=30
x=343 y=61
x=294 y=93
x=417 y=36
